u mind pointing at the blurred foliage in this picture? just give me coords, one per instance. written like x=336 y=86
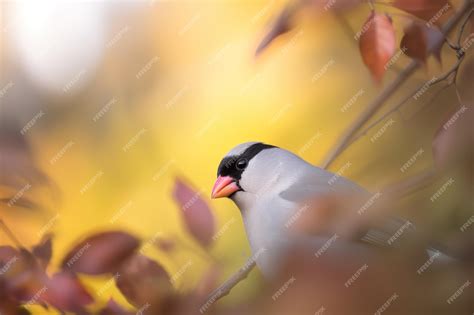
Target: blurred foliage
x=104 y=104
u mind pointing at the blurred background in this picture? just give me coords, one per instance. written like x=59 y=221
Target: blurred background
x=103 y=104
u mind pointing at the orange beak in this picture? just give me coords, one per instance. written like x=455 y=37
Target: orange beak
x=224 y=187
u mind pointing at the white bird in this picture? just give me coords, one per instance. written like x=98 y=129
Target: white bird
x=269 y=185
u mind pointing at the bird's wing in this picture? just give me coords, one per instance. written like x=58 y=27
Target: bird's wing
x=388 y=233
x=314 y=182
x=322 y=182
x=318 y=181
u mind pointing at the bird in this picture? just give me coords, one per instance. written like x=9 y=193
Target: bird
x=269 y=184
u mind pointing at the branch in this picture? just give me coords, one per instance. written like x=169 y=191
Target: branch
x=427 y=84
x=385 y=94
x=10 y=234
x=406 y=186
x=451 y=72
x=463 y=25
x=225 y=288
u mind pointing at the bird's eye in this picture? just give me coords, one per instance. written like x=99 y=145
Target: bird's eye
x=241 y=164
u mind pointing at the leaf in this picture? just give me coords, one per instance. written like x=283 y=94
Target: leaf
x=112 y=308
x=23 y=275
x=43 y=251
x=279 y=27
x=101 y=253
x=419 y=40
x=414 y=43
x=65 y=292
x=435 y=41
x=143 y=280
x=282 y=23
x=432 y=11
x=197 y=215
x=377 y=43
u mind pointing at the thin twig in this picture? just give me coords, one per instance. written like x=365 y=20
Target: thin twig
x=451 y=72
x=458 y=95
x=463 y=26
x=393 y=110
x=406 y=186
x=225 y=288
x=389 y=90
x=198 y=250
x=10 y=234
x=451 y=44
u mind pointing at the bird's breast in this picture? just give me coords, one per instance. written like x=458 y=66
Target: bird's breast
x=267 y=232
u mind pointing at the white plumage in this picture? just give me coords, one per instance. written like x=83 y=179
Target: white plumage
x=271 y=188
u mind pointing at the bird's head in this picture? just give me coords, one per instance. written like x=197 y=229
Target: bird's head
x=245 y=169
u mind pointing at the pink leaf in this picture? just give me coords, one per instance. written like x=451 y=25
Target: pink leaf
x=142 y=280
x=279 y=27
x=419 y=41
x=101 y=253
x=377 y=43
x=65 y=292
x=197 y=215
x=43 y=251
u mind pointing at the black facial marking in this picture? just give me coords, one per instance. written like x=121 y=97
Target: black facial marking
x=234 y=165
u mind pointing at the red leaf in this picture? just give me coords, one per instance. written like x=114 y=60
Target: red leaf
x=43 y=251
x=143 y=281
x=65 y=292
x=196 y=213
x=377 y=43
x=419 y=40
x=433 y=11
x=414 y=43
x=101 y=253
